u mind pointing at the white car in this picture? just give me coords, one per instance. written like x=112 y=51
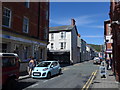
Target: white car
x=46 y=69
x=96 y=60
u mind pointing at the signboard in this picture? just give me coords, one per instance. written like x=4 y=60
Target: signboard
x=109 y=39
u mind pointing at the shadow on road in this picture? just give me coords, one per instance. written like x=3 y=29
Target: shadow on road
x=22 y=85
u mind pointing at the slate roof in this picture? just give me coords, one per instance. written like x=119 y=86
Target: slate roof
x=61 y=28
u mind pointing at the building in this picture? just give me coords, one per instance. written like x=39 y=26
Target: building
x=108 y=39
x=88 y=53
x=115 y=25
x=63 y=43
x=25 y=27
x=83 y=50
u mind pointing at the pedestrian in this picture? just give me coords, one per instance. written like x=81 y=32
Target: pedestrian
x=31 y=66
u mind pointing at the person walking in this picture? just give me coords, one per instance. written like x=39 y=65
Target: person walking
x=31 y=66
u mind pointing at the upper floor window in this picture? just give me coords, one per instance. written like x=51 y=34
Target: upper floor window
x=45 y=33
x=27 y=3
x=63 y=35
x=6 y=17
x=109 y=29
x=52 y=36
x=25 y=24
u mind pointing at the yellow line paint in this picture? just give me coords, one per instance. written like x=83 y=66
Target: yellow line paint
x=91 y=80
x=87 y=81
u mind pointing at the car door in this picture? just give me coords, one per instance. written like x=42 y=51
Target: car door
x=52 y=68
x=56 y=67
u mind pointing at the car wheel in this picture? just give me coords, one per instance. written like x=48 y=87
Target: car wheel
x=49 y=75
x=60 y=71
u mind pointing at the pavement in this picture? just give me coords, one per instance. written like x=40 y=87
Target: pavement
x=108 y=82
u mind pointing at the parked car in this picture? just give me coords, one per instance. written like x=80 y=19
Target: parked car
x=96 y=60
x=46 y=69
x=10 y=70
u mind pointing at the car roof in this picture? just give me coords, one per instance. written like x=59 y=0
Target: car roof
x=8 y=54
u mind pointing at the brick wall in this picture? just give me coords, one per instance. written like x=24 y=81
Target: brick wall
x=19 y=11
x=115 y=16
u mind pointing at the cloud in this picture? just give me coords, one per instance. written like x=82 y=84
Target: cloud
x=85 y=20
x=97 y=26
x=93 y=36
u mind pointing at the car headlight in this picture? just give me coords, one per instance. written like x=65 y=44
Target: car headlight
x=45 y=69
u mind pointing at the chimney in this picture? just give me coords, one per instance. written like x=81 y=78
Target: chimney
x=72 y=22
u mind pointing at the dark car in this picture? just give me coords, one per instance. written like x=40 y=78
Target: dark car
x=10 y=70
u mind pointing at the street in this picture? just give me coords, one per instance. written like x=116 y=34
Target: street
x=74 y=76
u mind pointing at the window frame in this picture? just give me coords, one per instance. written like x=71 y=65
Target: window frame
x=27 y=4
x=52 y=36
x=52 y=45
x=7 y=17
x=27 y=31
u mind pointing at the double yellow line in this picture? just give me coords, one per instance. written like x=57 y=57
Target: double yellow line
x=88 y=83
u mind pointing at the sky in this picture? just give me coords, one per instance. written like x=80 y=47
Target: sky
x=89 y=17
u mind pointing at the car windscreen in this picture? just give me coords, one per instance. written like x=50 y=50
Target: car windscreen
x=43 y=64
x=8 y=61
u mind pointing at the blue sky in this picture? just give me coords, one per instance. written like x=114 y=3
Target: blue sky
x=89 y=16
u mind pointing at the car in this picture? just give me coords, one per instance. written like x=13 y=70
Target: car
x=10 y=70
x=96 y=60
x=46 y=69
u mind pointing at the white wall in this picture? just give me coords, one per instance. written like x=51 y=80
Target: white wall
x=57 y=39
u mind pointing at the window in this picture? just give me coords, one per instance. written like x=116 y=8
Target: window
x=52 y=36
x=46 y=33
x=109 y=29
x=25 y=25
x=6 y=17
x=8 y=61
x=62 y=45
x=51 y=45
x=41 y=53
x=4 y=47
x=47 y=15
x=27 y=3
x=63 y=35
x=54 y=64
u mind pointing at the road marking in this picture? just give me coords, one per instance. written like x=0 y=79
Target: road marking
x=91 y=80
x=21 y=77
x=45 y=81
x=65 y=69
x=34 y=85
x=88 y=83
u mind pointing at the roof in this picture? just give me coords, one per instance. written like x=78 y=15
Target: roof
x=61 y=28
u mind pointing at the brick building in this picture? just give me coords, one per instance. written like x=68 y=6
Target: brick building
x=108 y=39
x=25 y=27
x=115 y=25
